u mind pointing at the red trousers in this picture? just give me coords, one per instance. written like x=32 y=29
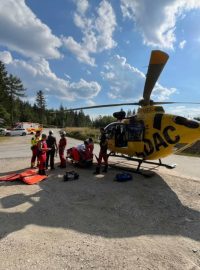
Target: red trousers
x=42 y=161
x=62 y=158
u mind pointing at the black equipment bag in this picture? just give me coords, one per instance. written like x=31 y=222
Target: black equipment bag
x=70 y=175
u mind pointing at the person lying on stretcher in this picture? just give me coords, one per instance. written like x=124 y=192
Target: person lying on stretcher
x=81 y=152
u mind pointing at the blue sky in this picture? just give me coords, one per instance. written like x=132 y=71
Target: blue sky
x=82 y=52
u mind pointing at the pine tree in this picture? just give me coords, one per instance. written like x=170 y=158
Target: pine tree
x=14 y=90
x=129 y=113
x=3 y=81
x=41 y=105
x=62 y=116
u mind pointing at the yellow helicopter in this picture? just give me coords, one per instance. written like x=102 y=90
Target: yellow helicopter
x=151 y=134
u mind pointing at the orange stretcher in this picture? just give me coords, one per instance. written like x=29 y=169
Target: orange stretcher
x=33 y=179
x=10 y=177
x=29 y=177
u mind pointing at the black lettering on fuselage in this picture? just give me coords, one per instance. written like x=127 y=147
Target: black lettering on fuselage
x=159 y=140
x=148 y=147
x=167 y=136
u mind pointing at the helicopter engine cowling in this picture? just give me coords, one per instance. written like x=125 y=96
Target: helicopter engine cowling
x=119 y=115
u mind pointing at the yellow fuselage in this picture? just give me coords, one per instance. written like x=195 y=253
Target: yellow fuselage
x=163 y=134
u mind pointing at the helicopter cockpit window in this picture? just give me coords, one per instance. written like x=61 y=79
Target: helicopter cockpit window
x=121 y=139
x=110 y=130
x=119 y=133
x=136 y=131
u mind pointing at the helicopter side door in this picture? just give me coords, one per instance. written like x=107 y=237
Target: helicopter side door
x=135 y=131
x=121 y=135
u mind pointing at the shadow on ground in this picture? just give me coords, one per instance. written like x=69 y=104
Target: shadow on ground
x=100 y=206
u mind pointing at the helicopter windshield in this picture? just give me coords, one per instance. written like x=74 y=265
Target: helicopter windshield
x=124 y=133
x=118 y=132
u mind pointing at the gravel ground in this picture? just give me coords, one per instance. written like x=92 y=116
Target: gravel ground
x=95 y=222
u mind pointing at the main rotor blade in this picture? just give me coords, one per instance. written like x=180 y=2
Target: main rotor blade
x=156 y=64
x=174 y=102
x=102 y=106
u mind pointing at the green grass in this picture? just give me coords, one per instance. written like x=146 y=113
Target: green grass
x=188 y=154
x=82 y=133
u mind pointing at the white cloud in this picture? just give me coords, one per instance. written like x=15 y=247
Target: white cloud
x=82 y=6
x=81 y=53
x=37 y=74
x=156 y=20
x=5 y=57
x=162 y=93
x=97 y=32
x=67 y=76
x=23 y=32
x=183 y=110
x=127 y=82
x=182 y=44
x=90 y=103
x=84 y=89
x=105 y=26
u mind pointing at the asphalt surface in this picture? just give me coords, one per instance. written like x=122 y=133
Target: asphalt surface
x=19 y=147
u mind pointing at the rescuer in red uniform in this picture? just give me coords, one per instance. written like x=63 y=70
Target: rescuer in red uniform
x=103 y=152
x=61 y=148
x=34 y=148
x=42 y=150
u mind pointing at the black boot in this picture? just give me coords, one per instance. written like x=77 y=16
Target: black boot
x=42 y=172
x=97 y=171
x=105 y=168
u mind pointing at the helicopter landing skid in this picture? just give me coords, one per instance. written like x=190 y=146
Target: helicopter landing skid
x=172 y=166
x=140 y=161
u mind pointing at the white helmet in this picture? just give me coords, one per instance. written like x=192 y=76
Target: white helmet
x=63 y=133
x=50 y=132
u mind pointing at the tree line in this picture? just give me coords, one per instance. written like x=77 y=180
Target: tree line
x=14 y=109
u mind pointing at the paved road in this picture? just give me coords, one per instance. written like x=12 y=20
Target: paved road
x=19 y=147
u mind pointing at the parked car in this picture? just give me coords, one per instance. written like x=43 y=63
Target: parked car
x=16 y=132
x=3 y=131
